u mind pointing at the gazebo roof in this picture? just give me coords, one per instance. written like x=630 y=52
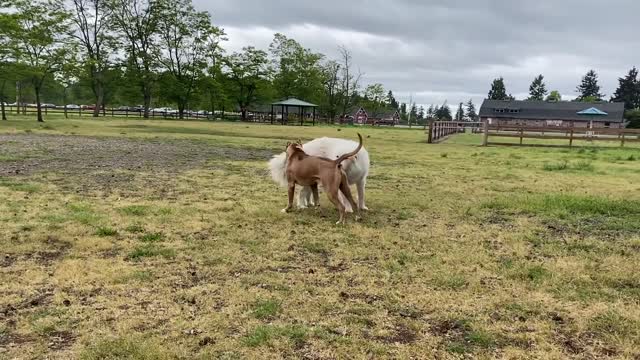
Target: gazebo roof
x=593 y=111
x=294 y=102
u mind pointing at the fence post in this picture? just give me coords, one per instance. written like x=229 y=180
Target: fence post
x=622 y=141
x=521 y=135
x=571 y=138
x=485 y=136
x=430 y=136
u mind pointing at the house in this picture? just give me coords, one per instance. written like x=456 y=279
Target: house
x=357 y=115
x=549 y=113
x=385 y=117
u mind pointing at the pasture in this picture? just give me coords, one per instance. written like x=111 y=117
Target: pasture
x=164 y=240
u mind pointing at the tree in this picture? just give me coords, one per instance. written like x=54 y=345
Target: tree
x=431 y=112
x=331 y=88
x=403 y=111
x=38 y=41
x=92 y=31
x=421 y=113
x=187 y=40
x=137 y=22
x=589 y=90
x=375 y=97
x=554 y=96
x=391 y=101
x=628 y=90
x=413 y=114
x=8 y=25
x=471 y=111
x=248 y=71
x=633 y=117
x=498 y=90
x=444 y=113
x=460 y=113
x=298 y=71
x=350 y=81
x=537 y=89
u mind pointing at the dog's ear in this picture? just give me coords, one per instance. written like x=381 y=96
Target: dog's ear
x=288 y=144
x=299 y=142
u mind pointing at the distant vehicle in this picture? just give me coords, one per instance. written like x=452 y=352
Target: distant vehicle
x=126 y=108
x=72 y=107
x=165 y=111
x=90 y=107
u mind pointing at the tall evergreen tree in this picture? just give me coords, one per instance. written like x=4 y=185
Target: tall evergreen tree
x=460 y=113
x=498 y=90
x=430 y=112
x=628 y=90
x=444 y=113
x=421 y=113
x=391 y=101
x=471 y=111
x=537 y=89
x=589 y=88
x=403 y=111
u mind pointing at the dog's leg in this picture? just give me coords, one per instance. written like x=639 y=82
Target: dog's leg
x=344 y=187
x=332 y=193
x=316 y=197
x=360 y=186
x=292 y=191
x=345 y=202
x=304 y=197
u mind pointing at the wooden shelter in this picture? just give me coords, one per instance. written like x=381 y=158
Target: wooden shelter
x=296 y=104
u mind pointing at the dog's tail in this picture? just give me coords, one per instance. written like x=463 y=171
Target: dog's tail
x=278 y=168
x=346 y=156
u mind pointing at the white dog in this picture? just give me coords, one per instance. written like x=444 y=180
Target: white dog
x=356 y=168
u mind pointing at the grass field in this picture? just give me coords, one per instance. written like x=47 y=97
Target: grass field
x=164 y=239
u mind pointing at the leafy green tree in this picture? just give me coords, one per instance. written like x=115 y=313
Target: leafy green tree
x=471 y=111
x=628 y=90
x=444 y=113
x=331 y=99
x=554 y=96
x=136 y=22
x=498 y=90
x=633 y=117
x=403 y=111
x=589 y=90
x=248 y=72
x=93 y=33
x=298 y=71
x=186 y=41
x=39 y=40
x=537 y=89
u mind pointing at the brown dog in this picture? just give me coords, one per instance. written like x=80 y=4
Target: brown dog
x=306 y=170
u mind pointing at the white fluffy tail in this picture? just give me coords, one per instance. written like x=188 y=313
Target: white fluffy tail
x=278 y=168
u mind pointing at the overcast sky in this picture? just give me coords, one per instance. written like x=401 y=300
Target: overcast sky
x=451 y=49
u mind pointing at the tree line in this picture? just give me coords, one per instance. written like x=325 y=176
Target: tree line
x=164 y=52
x=628 y=92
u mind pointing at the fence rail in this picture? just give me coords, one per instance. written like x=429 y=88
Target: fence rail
x=440 y=130
x=557 y=133
x=231 y=116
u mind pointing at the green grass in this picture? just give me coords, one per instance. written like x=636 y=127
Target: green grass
x=266 y=309
x=467 y=252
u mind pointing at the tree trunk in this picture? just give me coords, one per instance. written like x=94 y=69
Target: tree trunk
x=38 y=105
x=244 y=113
x=64 y=99
x=99 y=99
x=181 y=107
x=4 y=113
x=146 y=90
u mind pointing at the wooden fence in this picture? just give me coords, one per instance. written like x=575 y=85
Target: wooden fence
x=440 y=130
x=222 y=115
x=569 y=134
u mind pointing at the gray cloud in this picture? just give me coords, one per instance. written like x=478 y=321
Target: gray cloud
x=451 y=49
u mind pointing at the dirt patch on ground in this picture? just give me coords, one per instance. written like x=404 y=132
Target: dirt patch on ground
x=83 y=164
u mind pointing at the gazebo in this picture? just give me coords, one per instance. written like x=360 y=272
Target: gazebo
x=294 y=103
x=591 y=113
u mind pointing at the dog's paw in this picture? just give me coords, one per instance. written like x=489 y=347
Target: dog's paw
x=365 y=208
x=348 y=210
x=285 y=210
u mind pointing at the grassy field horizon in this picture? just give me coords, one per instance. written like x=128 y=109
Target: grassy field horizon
x=163 y=239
